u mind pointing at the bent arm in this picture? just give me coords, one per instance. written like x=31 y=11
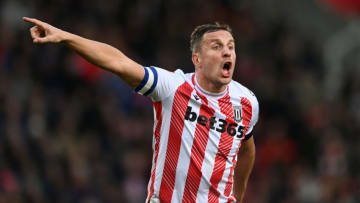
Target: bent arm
x=244 y=166
x=97 y=53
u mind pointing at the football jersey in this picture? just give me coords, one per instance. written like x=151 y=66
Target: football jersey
x=197 y=135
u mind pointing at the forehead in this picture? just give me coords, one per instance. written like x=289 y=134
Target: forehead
x=220 y=35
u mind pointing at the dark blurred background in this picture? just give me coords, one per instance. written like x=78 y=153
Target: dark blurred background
x=72 y=133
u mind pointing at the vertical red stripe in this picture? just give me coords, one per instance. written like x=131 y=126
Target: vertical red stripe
x=201 y=138
x=158 y=114
x=246 y=117
x=224 y=148
x=181 y=99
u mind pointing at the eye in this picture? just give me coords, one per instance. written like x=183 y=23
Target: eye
x=216 y=47
x=231 y=47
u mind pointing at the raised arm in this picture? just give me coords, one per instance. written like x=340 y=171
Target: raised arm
x=244 y=165
x=97 y=53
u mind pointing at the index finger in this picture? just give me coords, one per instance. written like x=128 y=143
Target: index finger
x=34 y=21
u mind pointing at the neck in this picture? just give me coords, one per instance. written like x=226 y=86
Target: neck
x=209 y=86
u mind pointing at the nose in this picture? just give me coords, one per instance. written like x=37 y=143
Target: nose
x=227 y=52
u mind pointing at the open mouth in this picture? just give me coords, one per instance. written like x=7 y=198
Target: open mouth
x=226 y=69
x=227 y=65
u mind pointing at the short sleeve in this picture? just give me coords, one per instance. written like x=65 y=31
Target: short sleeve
x=254 y=117
x=159 y=83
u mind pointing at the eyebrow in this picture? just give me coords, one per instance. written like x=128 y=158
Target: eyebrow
x=217 y=40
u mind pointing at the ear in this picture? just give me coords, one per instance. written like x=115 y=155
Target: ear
x=196 y=59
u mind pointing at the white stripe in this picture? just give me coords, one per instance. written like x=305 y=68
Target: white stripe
x=187 y=140
x=164 y=136
x=149 y=82
x=153 y=158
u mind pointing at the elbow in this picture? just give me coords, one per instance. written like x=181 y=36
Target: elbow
x=115 y=66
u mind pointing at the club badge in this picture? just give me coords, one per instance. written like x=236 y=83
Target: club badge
x=237 y=114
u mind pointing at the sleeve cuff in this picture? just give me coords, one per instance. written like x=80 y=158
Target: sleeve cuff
x=148 y=83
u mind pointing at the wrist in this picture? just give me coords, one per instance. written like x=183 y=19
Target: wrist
x=65 y=37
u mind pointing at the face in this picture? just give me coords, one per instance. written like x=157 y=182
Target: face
x=215 y=61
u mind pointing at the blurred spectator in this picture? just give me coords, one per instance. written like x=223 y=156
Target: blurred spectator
x=70 y=132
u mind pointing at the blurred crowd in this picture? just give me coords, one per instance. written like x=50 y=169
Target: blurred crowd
x=70 y=132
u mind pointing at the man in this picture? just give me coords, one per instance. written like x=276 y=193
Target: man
x=203 y=145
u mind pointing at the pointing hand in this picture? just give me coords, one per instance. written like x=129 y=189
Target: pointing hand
x=42 y=32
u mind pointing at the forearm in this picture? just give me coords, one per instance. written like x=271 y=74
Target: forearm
x=97 y=53
x=244 y=166
x=105 y=57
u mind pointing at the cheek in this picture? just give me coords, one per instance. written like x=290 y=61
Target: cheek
x=213 y=60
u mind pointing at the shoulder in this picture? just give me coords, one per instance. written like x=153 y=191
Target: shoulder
x=162 y=82
x=240 y=90
x=178 y=73
x=248 y=101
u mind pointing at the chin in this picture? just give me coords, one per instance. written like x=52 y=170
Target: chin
x=226 y=81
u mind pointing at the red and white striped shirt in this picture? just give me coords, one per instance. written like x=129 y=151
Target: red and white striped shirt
x=197 y=135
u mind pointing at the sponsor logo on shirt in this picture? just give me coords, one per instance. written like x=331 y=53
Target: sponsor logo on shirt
x=217 y=124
